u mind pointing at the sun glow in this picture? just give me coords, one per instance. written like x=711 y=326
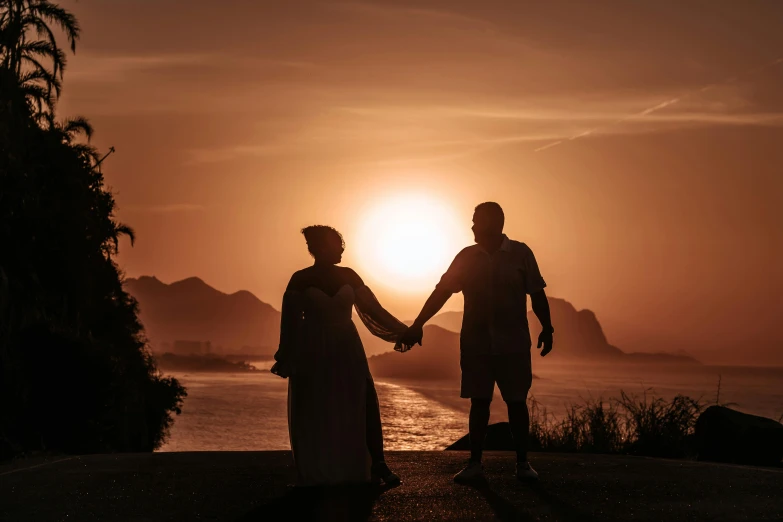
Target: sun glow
x=406 y=242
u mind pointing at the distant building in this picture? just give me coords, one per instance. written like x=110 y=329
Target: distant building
x=181 y=347
x=158 y=347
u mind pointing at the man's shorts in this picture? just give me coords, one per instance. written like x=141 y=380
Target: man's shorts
x=512 y=372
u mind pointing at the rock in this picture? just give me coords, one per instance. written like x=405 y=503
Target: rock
x=578 y=335
x=726 y=435
x=498 y=439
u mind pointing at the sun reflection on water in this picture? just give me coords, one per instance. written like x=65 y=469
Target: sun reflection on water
x=411 y=421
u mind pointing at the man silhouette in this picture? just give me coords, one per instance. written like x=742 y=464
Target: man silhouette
x=495 y=275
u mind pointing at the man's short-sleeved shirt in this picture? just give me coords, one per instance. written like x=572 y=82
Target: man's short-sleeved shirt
x=495 y=287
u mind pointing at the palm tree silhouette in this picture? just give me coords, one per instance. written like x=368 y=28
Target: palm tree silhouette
x=76 y=374
x=27 y=42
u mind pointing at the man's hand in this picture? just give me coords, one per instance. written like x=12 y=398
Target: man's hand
x=545 y=340
x=281 y=370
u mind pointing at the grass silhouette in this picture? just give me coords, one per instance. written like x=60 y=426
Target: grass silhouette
x=630 y=424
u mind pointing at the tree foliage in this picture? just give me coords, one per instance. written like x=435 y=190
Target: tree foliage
x=75 y=371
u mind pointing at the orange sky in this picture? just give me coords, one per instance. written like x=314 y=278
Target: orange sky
x=237 y=123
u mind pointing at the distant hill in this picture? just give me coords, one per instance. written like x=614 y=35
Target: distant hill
x=437 y=359
x=192 y=310
x=449 y=320
x=372 y=344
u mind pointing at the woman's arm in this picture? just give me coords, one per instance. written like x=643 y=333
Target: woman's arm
x=375 y=317
x=289 y=324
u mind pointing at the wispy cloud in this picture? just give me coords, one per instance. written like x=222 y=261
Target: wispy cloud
x=431 y=134
x=725 y=118
x=575 y=115
x=446 y=23
x=164 y=208
x=548 y=145
x=99 y=66
x=96 y=67
x=230 y=153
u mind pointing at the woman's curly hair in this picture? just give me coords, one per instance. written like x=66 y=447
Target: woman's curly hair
x=316 y=235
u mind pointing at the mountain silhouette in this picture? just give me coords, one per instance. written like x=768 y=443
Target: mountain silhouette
x=192 y=310
x=241 y=323
x=234 y=323
x=437 y=359
x=578 y=335
x=451 y=321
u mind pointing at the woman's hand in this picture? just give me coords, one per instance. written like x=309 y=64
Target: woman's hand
x=281 y=370
x=401 y=346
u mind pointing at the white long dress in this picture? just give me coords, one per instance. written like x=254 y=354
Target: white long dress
x=328 y=385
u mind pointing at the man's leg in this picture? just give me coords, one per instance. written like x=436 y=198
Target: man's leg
x=519 y=421
x=477 y=385
x=514 y=379
x=477 y=426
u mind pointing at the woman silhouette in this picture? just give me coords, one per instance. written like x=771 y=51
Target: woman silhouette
x=334 y=420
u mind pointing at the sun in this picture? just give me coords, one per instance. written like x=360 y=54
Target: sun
x=407 y=241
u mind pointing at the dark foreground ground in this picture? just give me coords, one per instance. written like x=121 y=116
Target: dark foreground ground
x=256 y=486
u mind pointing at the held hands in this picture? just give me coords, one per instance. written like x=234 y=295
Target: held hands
x=413 y=335
x=545 y=340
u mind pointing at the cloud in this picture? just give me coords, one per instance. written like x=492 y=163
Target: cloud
x=728 y=106
x=719 y=117
x=105 y=67
x=230 y=153
x=549 y=145
x=422 y=133
x=93 y=66
x=164 y=208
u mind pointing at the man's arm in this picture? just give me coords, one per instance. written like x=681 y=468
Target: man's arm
x=541 y=309
x=432 y=306
x=449 y=284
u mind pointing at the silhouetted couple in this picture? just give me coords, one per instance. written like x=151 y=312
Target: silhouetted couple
x=333 y=413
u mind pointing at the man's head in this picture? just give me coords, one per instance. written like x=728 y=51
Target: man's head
x=488 y=221
x=325 y=244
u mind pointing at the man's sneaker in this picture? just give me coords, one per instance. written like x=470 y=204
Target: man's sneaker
x=381 y=472
x=526 y=473
x=473 y=472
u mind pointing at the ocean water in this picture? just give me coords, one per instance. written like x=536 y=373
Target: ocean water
x=247 y=411
x=235 y=412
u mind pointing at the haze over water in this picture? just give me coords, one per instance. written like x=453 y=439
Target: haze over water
x=248 y=411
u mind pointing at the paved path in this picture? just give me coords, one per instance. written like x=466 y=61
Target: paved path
x=256 y=486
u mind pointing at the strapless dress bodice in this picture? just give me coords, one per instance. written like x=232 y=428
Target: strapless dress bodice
x=321 y=307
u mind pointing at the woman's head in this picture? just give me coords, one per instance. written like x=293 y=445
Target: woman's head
x=325 y=244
